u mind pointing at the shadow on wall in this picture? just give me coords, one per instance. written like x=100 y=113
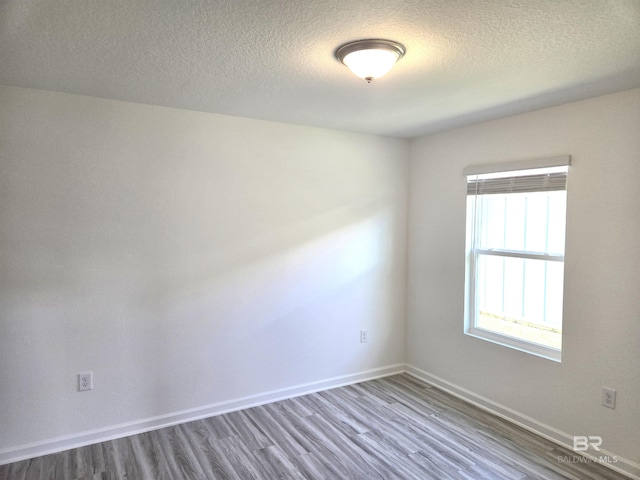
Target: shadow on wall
x=275 y=308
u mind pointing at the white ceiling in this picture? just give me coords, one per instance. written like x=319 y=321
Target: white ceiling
x=466 y=61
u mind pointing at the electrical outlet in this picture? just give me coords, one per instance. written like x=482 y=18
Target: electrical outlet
x=85 y=381
x=608 y=397
x=364 y=336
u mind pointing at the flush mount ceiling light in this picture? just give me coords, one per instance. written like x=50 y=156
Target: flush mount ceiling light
x=370 y=59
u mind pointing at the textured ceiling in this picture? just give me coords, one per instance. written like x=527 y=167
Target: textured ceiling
x=466 y=61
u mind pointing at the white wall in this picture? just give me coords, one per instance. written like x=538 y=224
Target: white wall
x=601 y=342
x=186 y=259
x=191 y=259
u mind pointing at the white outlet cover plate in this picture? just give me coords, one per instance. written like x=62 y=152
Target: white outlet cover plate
x=608 y=397
x=85 y=381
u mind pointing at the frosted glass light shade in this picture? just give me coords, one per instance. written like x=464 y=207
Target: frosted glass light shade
x=370 y=59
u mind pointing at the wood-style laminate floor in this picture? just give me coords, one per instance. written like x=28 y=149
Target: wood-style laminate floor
x=390 y=428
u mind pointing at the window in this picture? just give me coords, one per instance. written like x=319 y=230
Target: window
x=515 y=254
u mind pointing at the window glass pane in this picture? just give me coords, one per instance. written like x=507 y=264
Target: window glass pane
x=548 y=337
x=534 y=297
x=513 y=287
x=491 y=284
x=532 y=222
x=557 y=222
x=554 y=293
x=536 y=221
x=521 y=298
x=493 y=224
x=519 y=288
x=515 y=222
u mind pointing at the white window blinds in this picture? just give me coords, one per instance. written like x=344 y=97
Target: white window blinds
x=517 y=184
x=541 y=175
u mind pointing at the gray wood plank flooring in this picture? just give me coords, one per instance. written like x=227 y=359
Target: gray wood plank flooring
x=391 y=428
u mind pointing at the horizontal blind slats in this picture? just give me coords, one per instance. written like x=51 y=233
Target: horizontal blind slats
x=517 y=184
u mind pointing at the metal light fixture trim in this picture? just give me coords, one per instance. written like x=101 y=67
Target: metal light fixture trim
x=372 y=58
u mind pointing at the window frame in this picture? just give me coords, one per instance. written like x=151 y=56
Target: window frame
x=472 y=254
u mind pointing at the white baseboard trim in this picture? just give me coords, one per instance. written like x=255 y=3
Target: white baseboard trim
x=54 y=445
x=622 y=465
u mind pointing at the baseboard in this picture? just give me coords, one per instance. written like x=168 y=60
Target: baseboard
x=621 y=465
x=81 y=439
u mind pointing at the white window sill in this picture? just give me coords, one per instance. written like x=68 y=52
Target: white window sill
x=516 y=344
